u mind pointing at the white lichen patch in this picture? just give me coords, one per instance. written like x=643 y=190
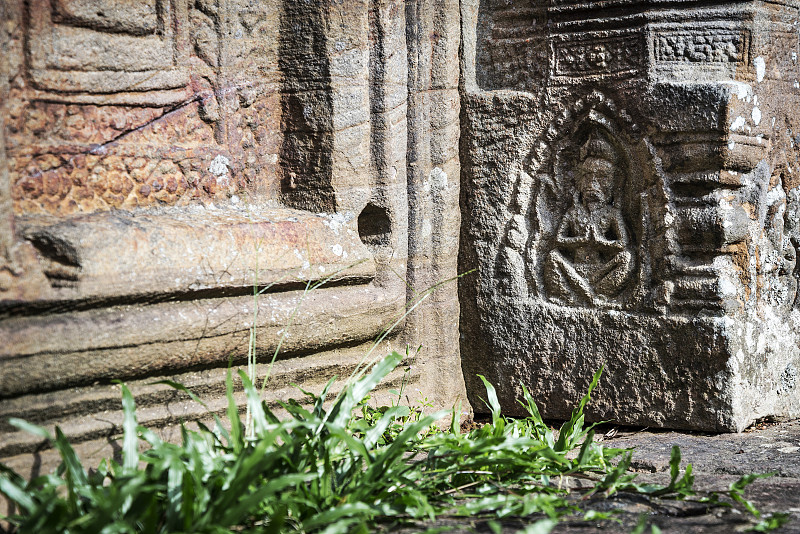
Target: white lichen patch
x=738 y=123
x=743 y=91
x=727 y=288
x=219 y=167
x=756 y=116
x=761 y=68
x=337 y=221
x=338 y=250
x=438 y=180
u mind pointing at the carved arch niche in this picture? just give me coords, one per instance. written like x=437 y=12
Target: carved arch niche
x=580 y=223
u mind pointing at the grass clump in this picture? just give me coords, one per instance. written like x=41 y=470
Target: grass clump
x=333 y=466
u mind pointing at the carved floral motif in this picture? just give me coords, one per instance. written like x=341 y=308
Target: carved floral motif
x=720 y=46
x=600 y=55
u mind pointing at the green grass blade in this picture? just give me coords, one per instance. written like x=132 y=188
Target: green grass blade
x=130 y=439
x=570 y=431
x=455 y=420
x=337 y=514
x=234 y=514
x=355 y=392
x=543 y=526
x=75 y=476
x=16 y=494
x=30 y=428
x=374 y=434
x=254 y=403
x=237 y=430
x=494 y=406
x=674 y=465
x=736 y=491
x=583 y=455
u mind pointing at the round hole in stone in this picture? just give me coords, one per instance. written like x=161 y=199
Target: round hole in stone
x=374 y=226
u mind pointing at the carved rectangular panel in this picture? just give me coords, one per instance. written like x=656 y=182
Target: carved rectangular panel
x=703 y=51
x=512 y=53
x=75 y=45
x=618 y=54
x=712 y=45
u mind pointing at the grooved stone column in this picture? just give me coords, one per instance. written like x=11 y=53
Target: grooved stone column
x=630 y=195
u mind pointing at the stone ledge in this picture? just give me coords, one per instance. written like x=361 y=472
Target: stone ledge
x=194 y=248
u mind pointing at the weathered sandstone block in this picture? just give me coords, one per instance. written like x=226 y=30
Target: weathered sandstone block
x=160 y=159
x=630 y=192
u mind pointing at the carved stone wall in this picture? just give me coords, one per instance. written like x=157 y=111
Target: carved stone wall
x=630 y=200
x=627 y=172
x=159 y=159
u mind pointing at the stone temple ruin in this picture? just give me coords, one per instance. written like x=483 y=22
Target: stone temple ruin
x=630 y=199
x=621 y=177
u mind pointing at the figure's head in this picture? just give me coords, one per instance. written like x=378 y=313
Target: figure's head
x=596 y=171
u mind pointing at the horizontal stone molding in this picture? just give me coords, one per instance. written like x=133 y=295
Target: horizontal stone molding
x=141 y=340
x=111 y=255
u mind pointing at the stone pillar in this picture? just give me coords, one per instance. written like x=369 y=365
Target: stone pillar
x=20 y=276
x=630 y=191
x=433 y=39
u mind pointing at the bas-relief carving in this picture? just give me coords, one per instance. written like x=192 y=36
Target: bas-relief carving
x=591 y=260
x=673 y=202
x=89 y=131
x=604 y=53
x=581 y=198
x=518 y=51
x=710 y=46
x=701 y=228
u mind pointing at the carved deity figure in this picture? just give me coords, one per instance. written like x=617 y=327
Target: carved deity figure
x=591 y=262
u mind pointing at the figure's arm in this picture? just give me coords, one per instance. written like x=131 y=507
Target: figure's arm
x=570 y=234
x=622 y=240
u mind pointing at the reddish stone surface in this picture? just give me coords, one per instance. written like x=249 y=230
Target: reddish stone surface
x=161 y=162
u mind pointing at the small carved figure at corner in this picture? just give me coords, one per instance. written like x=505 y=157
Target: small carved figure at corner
x=778 y=252
x=591 y=262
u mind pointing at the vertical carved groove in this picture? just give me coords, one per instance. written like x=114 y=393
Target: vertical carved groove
x=307 y=109
x=6 y=217
x=377 y=90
